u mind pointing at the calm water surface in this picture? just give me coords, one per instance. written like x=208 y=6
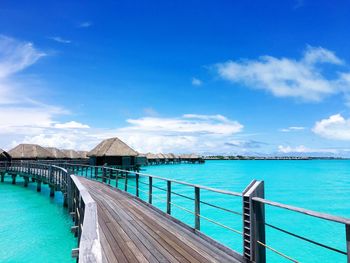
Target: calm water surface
x=321 y=185
x=33 y=227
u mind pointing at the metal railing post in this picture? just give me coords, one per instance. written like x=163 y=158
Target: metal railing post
x=254 y=223
x=126 y=182
x=347 y=234
x=168 y=198
x=150 y=179
x=137 y=184
x=197 y=222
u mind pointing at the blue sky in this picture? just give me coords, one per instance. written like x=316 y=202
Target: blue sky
x=231 y=77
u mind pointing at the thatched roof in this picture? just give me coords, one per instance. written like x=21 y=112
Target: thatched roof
x=142 y=155
x=71 y=154
x=57 y=153
x=112 y=147
x=4 y=155
x=82 y=154
x=30 y=151
x=160 y=156
x=151 y=156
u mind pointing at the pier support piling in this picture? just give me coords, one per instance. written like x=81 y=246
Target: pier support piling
x=52 y=191
x=33 y=179
x=14 y=178
x=26 y=181
x=2 y=175
x=38 y=186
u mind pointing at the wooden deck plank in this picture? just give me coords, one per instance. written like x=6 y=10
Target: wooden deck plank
x=136 y=233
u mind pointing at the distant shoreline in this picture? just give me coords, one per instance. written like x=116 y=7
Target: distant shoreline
x=289 y=158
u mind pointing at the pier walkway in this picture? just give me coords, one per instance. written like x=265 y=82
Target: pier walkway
x=132 y=232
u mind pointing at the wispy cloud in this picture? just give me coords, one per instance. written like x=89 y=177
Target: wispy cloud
x=292 y=128
x=286 y=77
x=196 y=82
x=303 y=149
x=85 y=24
x=15 y=56
x=335 y=127
x=60 y=40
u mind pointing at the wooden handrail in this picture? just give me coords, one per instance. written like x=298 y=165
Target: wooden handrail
x=90 y=244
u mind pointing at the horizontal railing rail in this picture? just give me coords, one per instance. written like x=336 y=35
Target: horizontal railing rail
x=323 y=216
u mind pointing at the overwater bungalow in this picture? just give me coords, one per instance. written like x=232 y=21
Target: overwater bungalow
x=71 y=154
x=113 y=152
x=57 y=153
x=151 y=158
x=141 y=159
x=4 y=156
x=30 y=152
x=82 y=154
x=191 y=158
x=161 y=158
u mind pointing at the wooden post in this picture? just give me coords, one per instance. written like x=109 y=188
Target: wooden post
x=150 y=179
x=52 y=191
x=197 y=222
x=14 y=178
x=347 y=231
x=137 y=185
x=2 y=177
x=26 y=181
x=96 y=173
x=38 y=186
x=254 y=223
x=168 y=197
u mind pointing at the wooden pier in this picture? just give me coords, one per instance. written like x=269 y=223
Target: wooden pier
x=114 y=225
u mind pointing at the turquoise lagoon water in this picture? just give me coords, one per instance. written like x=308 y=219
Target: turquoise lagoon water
x=33 y=227
x=321 y=185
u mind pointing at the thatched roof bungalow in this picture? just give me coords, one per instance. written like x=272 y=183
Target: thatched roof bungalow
x=82 y=154
x=114 y=152
x=71 y=154
x=57 y=153
x=4 y=156
x=30 y=152
x=141 y=159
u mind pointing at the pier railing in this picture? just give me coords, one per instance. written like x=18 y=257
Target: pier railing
x=252 y=215
x=79 y=202
x=84 y=211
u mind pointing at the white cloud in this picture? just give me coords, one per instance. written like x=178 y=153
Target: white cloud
x=285 y=77
x=60 y=40
x=71 y=125
x=188 y=123
x=196 y=82
x=15 y=56
x=335 y=127
x=292 y=128
x=303 y=149
x=85 y=24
